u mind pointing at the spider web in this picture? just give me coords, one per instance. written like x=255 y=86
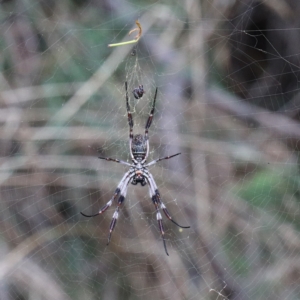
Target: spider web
x=228 y=100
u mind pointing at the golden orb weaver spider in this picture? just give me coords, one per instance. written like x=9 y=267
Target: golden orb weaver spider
x=138 y=173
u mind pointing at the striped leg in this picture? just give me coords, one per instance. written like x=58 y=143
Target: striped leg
x=121 y=199
x=158 y=214
x=149 y=121
x=117 y=192
x=148 y=124
x=153 y=162
x=160 y=223
x=166 y=211
x=130 y=121
x=116 y=160
x=155 y=193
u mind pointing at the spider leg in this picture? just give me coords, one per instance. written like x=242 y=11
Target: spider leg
x=148 y=124
x=116 y=213
x=149 y=121
x=155 y=194
x=166 y=211
x=117 y=192
x=158 y=214
x=130 y=121
x=105 y=207
x=116 y=160
x=160 y=224
x=157 y=160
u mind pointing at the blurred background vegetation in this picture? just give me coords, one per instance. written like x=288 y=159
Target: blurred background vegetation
x=228 y=79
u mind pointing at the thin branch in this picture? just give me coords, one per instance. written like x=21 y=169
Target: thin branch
x=136 y=39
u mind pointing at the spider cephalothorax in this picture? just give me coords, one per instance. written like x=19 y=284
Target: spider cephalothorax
x=139 y=178
x=138 y=173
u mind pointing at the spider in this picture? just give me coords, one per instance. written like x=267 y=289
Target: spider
x=138 y=173
x=138 y=92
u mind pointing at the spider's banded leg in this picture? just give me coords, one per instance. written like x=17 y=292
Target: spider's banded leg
x=163 y=207
x=117 y=192
x=116 y=160
x=105 y=207
x=149 y=121
x=155 y=194
x=160 y=223
x=130 y=120
x=157 y=160
x=148 y=124
x=116 y=213
x=158 y=214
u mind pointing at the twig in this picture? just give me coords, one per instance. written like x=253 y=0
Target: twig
x=136 y=39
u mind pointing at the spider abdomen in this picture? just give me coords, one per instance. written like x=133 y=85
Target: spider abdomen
x=139 y=147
